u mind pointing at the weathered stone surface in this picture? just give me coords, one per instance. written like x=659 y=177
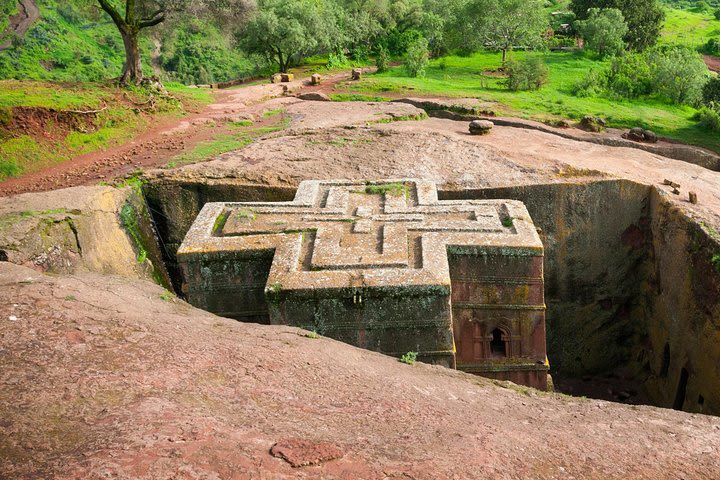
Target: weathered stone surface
x=81 y=229
x=385 y=266
x=481 y=127
x=638 y=134
x=301 y=453
x=593 y=124
x=315 y=79
x=287 y=77
x=316 y=96
x=277 y=78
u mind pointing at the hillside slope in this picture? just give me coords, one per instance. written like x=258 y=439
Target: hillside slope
x=75 y=41
x=108 y=377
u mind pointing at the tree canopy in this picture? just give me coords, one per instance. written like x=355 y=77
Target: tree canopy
x=644 y=18
x=603 y=31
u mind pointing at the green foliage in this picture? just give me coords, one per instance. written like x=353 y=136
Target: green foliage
x=337 y=60
x=603 y=31
x=128 y=217
x=529 y=73
x=630 y=76
x=502 y=24
x=409 y=358
x=417 y=57
x=289 y=30
x=396 y=189
x=644 y=18
x=382 y=59
x=715 y=260
x=9 y=168
x=678 y=74
x=709 y=117
x=717 y=14
x=167 y=296
x=712 y=46
x=357 y=97
x=711 y=91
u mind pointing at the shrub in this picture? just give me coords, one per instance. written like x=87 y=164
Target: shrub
x=603 y=31
x=337 y=60
x=711 y=91
x=630 y=76
x=382 y=59
x=709 y=117
x=530 y=73
x=712 y=46
x=361 y=54
x=593 y=84
x=410 y=358
x=717 y=14
x=678 y=73
x=417 y=57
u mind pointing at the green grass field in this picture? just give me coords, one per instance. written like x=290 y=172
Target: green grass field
x=475 y=77
x=685 y=27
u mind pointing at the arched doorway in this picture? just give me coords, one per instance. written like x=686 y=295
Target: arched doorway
x=498 y=344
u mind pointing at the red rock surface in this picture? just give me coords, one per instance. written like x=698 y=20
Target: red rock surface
x=103 y=377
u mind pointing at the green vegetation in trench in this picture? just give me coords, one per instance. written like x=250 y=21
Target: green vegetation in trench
x=477 y=76
x=63 y=133
x=396 y=189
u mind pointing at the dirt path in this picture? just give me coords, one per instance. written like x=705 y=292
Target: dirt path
x=20 y=23
x=712 y=62
x=157 y=146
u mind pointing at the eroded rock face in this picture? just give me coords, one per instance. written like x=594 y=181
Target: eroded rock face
x=315 y=96
x=97 y=229
x=138 y=385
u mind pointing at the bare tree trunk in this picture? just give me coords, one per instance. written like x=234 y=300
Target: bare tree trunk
x=504 y=55
x=132 y=70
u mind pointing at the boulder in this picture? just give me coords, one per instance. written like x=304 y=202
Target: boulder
x=356 y=74
x=315 y=79
x=316 y=96
x=277 y=78
x=481 y=127
x=287 y=77
x=638 y=134
x=592 y=124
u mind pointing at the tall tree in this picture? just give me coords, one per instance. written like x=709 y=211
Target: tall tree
x=133 y=16
x=139 y=14
x=504 y=24
x=288 y=30
x=644 y=18
x=603 y=31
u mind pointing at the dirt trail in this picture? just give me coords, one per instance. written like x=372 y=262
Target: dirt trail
x=20 y=23
x=158 y=145
x=712 y=62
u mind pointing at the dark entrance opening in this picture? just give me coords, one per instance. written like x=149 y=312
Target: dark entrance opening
x=3 y=256
x=682 y=390
x=665 y=361
x=497 y=345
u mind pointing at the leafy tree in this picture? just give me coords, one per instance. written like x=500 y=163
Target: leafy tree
x=603 y=31
x=141 y=14
x=417 y=57
x=644 y=18
x=382 y=59
x=288 y=30
x=504 y=24
x=717 y=14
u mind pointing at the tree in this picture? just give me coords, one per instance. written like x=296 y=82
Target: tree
x=644 y=18
x=417 y=57
x=603 y=31
x=142 y=14
x=530 y=73
x=288 y=30
x=678 y=73
x=505 y=24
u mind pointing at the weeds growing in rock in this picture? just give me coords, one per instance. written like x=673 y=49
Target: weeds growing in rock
x=410 y=358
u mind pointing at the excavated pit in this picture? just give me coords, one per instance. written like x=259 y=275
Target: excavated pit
x=629 y=283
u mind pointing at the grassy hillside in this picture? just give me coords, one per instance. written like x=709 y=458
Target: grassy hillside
x=689 y=28
x=476 y=76
x=76 y=41
x=40 y=125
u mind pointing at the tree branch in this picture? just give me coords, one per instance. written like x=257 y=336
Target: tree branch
x=151 y=22
x=110 y=10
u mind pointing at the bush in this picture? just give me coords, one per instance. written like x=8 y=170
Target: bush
x=417 y=57
x=711 y=91
x=382 y=59
x=530 y=73
x=678 y=73
x=712 y=46
x=593 y=84
x=709 y=117
x=630 y=76
x=717 y=14
x=337 y=60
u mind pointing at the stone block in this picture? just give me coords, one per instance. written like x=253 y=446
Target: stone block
x=287 y=77
x=384 y=266
x=481 y=127
x=315 y=79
